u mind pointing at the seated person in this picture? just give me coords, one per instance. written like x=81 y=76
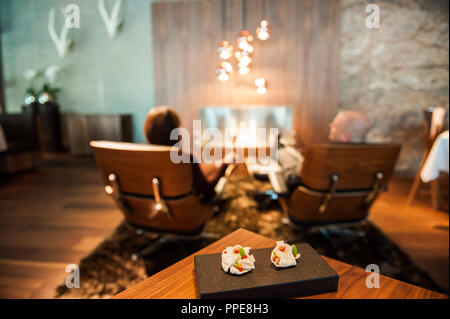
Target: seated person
x=160 y=122
x=347 y=127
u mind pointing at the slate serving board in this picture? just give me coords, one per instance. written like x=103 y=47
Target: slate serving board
x=312 y=275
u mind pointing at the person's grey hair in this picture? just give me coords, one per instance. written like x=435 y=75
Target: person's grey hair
x=358 y=125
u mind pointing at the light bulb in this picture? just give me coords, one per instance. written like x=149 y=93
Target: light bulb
x=260 y=82
x=261 y=85
x=263 y=35
x=245 y=61
x=244 y=40
x=261 y=90
x=224 y=70
x=263 y=30
x=223 y=77
x=245 y=34
x=244 y=70
x=243 y=58
x=225 y=50
x=243 y=45
x=227 y=66
x=225 y=55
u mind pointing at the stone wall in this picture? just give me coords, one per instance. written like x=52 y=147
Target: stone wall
x=394 y=72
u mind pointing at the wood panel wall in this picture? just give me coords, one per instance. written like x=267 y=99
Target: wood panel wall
x=300 y=60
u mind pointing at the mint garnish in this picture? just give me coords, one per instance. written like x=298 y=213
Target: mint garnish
x=294 y=250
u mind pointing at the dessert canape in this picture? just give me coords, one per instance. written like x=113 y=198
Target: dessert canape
x=284 y=255
x=237 y=260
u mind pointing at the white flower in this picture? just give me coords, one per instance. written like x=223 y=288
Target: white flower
x=30 y=74
x=51 y=72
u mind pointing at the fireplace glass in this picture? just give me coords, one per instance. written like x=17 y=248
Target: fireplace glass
x=248 y=119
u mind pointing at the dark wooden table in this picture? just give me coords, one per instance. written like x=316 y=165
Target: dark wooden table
x=178 y=282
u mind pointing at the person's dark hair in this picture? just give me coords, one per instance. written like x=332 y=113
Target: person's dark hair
x=160 y=122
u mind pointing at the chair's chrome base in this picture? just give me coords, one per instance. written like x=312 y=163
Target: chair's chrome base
x=341 y=230
x=160 y=240
x=325 y=230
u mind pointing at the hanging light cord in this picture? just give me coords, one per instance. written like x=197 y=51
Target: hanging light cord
x=244 y=14
x=224 y=17
x=264 y=10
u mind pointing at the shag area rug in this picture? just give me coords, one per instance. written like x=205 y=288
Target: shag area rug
x=109 y=269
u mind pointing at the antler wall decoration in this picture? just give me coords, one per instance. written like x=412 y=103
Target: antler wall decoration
x=112 y=21
x=62 y=42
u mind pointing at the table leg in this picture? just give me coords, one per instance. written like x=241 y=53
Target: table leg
x=435 y=194
x=412 y=193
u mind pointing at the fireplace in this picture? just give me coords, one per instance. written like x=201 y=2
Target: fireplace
x=244 y=122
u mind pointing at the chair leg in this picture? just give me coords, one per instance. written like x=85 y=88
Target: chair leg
x=170 y=238
x=325 y=233
x=346 y=231
x=414 y=189
x=415 y=186
x=284 y=209
x=435 y=194
x=209 y=235
x=149 y=249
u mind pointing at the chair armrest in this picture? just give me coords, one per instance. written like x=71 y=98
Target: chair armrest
x=19 y=129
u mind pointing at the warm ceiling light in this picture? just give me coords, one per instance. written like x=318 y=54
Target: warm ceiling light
x=225 y=50
x=261 y=85
x=244 y=70
x=243 y=58
x=223 y=77
x=224 y=71
x=245 y=61
x=244 y=40
x=263 y=30
x=227 y=66
x=261 y=90
x=260 y=82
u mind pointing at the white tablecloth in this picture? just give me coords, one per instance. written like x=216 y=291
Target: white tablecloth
x=3 y=145
x=437 y=160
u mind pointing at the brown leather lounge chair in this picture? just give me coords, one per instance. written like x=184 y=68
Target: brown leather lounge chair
x=339 y=183
x=154 y=194
x=22 y=150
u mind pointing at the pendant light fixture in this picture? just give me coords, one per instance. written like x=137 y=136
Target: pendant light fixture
x=263 y=29
x=244 y=40
x=225 y=51
x=261 y=85
x=244 y=70
x=224 y=71
x=262 y=33
x=245 y=49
